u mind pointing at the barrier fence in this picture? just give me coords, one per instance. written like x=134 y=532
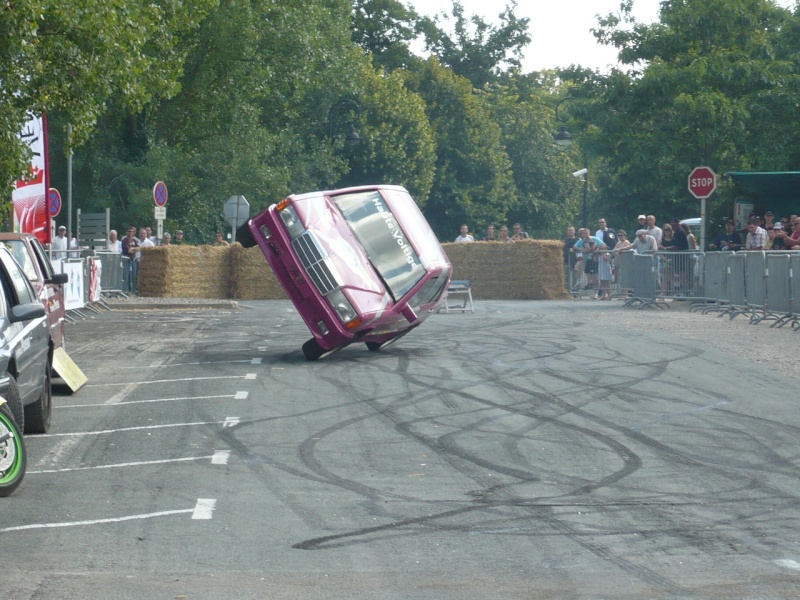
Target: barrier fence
x=758 y=284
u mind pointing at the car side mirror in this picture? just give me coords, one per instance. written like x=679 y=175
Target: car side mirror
x=59 y=278
x=26 y=312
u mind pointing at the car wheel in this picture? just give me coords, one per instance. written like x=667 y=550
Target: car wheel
x=37 y=415
x=313 y=351
x=15 y=402
x=375 y=346
x=13 y=458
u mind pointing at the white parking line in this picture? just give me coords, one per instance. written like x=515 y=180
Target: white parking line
x=234 y=396
x=139 y=428
x=221 y=457
x=163 y=513
x=241 y=395
x=231 y=421
x=215 y=460
x=248 y=376
x=255 y=361
x=204 y=508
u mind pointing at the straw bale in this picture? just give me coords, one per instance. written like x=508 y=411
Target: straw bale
x=251 y=276
x=525 y=270
x=185 y=272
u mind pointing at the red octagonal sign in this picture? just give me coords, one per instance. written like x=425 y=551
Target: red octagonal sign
x=702 y=182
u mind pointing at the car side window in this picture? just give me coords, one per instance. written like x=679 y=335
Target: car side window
x=21 y=255
x=41 y=258
x=17 y=282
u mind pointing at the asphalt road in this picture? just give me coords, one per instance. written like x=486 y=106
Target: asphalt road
x=529 y=450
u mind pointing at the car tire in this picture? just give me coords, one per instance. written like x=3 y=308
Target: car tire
x=15 y=402
x=313 y=351
x=37 y=415
x=13 y=457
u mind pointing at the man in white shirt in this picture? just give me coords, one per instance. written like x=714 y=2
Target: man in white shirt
x=113 y=244
x=654 y=230
x=465 y=236
x=59 y=244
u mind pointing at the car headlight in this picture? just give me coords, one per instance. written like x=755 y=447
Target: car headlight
x=291 y=220
x=343 y=308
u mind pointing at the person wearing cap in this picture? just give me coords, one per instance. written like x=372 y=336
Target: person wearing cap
x=60 y=244
x=756 y=235
x=774 y=241
x=653 y=229
x=728 y=241
x=769 y=220
x=640 y=224
x=178 y=238
x=588 y=246
x=644 y=242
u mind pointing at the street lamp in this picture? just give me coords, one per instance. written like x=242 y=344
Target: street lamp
x=564 y=139
x=350 y=107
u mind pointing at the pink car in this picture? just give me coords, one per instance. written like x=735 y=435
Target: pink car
x=360 y=264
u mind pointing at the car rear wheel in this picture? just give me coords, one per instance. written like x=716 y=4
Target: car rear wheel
x=15 y=402
x=313 y=351
x=13 y=458
x=37 y=415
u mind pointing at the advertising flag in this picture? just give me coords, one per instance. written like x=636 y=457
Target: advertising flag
x=31 y=214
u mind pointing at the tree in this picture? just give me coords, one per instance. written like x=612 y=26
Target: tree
x=385 y=28
x=477 y=50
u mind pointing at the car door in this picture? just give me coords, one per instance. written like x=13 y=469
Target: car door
x=28 y=340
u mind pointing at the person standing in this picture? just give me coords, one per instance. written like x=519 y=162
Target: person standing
x=59 y=244
x=730 y=240
x=504 y=236
x=569 y=256
x=654 y=230
x=113 y=244
x=518 y=233
x=130 y=246
x=219 y=240
x=464 y=237
x=167 y=239
x=605 y=234
x=756 y=235
x=490 y=234
x=644 y=242
x=178 y=238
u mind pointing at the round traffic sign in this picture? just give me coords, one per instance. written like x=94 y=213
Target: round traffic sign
x=160 y=193
x=702 y=182
x=53 y=202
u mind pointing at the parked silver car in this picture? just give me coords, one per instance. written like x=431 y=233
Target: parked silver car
x=25 y=348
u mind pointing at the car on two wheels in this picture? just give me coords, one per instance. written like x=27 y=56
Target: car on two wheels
x=360 y=264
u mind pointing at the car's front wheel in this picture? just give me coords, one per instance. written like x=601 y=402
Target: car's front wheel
x=313 y=351
x=14 y=400
x=13 y=458
x=37 y=415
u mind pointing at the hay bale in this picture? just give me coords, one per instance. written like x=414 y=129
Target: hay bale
x=185 y=272
x=251 y=276
x=525 y=270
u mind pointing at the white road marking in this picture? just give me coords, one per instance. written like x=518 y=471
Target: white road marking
x=788 y=563
x=213 y=458
x=248 y=376
x=148 y=401
x=255 y=361
x=139 y=428
x=186 y=364
x=231 y=421
x=204 y=508
x=163 y=513
x=221 y=457
x=241 y=395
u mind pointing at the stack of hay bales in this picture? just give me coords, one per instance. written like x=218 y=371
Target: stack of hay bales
x=525 y=270
x=251 y=276
x=185 y=272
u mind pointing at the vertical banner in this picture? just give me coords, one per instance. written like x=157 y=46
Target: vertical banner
x=31 y=214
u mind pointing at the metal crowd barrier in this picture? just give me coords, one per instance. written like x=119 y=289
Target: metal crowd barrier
x=114 y=270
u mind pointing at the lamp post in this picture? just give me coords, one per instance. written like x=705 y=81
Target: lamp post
x=351 y=107
x=564 y=139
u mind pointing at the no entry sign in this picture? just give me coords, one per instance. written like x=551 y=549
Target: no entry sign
x=702 y=182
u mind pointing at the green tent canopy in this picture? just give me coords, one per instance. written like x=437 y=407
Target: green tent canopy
x=776 y=191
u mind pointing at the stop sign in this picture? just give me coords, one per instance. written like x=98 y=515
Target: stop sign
x=702 y=182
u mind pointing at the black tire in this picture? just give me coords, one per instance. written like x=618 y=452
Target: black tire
x=375 y=346
x=15 y=402
x=37 y=415
x=313 y=351
x=244 y=236
x=13 y=457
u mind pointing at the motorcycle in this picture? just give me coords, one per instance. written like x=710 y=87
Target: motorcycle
x=13 y=456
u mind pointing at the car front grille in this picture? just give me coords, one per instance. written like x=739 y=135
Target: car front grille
x=311 y=254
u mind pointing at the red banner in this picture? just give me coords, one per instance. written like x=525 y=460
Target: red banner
x=31 y=211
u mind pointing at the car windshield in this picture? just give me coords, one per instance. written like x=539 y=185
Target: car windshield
x=20 y=253
x=384 y=242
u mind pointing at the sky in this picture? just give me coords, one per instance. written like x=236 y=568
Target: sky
x=560 y=29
